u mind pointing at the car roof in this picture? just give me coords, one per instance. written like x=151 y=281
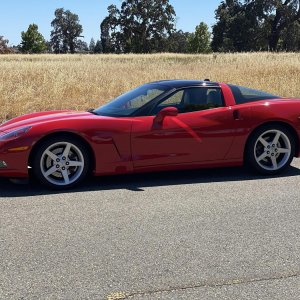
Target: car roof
x=176 y=83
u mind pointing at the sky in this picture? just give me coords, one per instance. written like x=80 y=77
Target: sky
x=15 y=16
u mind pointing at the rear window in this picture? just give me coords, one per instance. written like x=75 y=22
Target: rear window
x=245 y=95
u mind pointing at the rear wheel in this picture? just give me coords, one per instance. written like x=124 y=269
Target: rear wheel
x=61 y=162
x=270 y=149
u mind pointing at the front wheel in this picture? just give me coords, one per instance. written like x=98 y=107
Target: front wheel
x=61 y=162
x=270 y=149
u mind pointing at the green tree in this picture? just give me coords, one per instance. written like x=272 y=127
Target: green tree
x=277 y=16
x=177 y=42
x=237 y=28
x=98 y=47
x=199 y=42
x=32 y=40
x=106 y=28
x=66 y=31
x=138 y=26
x=252 y=25
x=48 y=47
x=82 y=47
x=92 y=46
x=290 y=38
x=3 y=45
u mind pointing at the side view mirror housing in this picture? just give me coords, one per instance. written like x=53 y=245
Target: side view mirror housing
x=166 y=112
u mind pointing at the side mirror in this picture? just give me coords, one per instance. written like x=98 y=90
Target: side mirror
x=166 y=112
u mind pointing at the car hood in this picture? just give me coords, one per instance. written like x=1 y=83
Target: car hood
x=41 y=117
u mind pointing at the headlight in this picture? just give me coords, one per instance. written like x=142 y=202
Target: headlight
x=14 y=134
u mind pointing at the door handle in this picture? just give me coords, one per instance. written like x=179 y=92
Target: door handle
x=236 y=115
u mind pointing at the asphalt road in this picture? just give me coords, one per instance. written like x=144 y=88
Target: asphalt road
x=207 y=234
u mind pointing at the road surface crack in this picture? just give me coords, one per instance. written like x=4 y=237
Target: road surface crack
x=124 y=296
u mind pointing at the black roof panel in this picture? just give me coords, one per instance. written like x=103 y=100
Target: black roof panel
x=186 y=83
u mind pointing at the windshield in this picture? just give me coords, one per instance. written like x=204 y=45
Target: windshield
x=128 y=103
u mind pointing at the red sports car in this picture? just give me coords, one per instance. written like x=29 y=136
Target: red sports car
x=165 y=125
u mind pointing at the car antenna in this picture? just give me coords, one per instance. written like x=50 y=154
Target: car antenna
x=206 y=79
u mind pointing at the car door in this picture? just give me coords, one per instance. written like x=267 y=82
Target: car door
x=202 y=131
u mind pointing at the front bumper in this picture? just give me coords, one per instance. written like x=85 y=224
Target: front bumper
x=13 y=164
x=3 y=164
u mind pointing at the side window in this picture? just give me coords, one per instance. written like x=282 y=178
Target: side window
x=142 y=99
x=193 y=99
x=245 y=95
x=174 y=100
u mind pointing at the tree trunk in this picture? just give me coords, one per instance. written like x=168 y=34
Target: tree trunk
x=72 y=47
x=273 y=40
x=275 y=31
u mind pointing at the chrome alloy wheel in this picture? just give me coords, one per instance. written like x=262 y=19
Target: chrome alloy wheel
x=62 y=163
x=272 y=150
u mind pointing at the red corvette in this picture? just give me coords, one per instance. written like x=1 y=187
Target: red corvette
x=163 y=125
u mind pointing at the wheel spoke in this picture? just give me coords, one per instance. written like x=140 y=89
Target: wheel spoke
x=264 y=142
x=276 y=139
x=66 y=176
x=62 y=163
x=67 y=150
x=282 y=150
x=50 y=171
x=51 y=155
x=263 y=156
x=76 y=164
x=274 y=162
x=277 y=150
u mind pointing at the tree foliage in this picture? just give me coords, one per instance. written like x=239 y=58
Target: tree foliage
x=32 y=40
x=138 y=26
x=92 y=46
x=3 y=45
x=277 y=16
x=82 y=47
x=148 y=26
x=66 y=31
x=237 y=28
x=290 y=38
x=107 y=29
x=252 y=25
x=98 y=47
x=177 y=42
x=199 y=42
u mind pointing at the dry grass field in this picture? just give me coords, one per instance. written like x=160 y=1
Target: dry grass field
x=42 y=82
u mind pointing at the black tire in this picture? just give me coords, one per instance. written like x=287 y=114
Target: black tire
x=69 y=170
x=261 y=144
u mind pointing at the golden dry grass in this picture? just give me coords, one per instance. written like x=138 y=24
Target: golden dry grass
x=42 y=82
